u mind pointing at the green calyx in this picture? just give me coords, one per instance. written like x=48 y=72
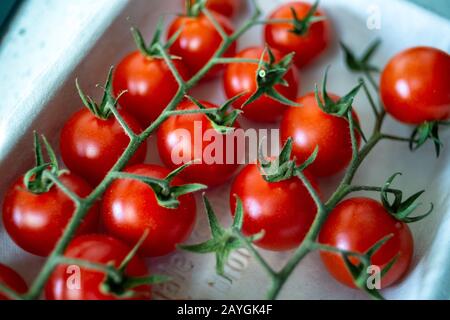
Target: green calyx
x=301 y=26
x=152 y=49
x=270 y=74
x=102 y=110
x=35 y=180
x=119 y=284
x=221 y=119
x=282 y=167
x=358 y=269
x=166 y=194
x=341 y=108
x=195 y=9
x=402 y=209
x=427 y=131
x=361 y=64
x=224 y=240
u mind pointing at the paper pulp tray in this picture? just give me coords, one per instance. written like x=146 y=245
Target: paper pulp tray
x=38 y=66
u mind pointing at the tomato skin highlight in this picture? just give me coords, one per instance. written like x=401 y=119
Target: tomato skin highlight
x=129 y=208
x=91 y=146
x=284 y=210
x=12 y=280
x=309 y=127
x=149 y=83
x=171 y=138
x=241 y=77
x=306 y=47
x=415 y=85
x=356 y=225
x=96 y=249
x=198 y=41
x=226 y=8
x=35 y=222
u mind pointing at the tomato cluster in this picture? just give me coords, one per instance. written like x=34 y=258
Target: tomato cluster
x=414 y=89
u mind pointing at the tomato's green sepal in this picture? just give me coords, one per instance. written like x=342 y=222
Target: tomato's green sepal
x=195 y=9
x=301 y=26
x=223 y=241
x=34 y=179
x=269 y=75
x=361 y=64
x=119 y=284
x=402 y=209
x=427 y=131
x=358 y=270
x=222 y=119
x=166 y=194
x=104 y=109
x=279 y=169
x=283 y=167
x=340 y=108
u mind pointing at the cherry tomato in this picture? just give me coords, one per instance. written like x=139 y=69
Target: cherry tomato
x=415 y=85
x=12 y=280
x=307 y=47
x=241 y=77
x=90 y=146
x=309 y=127
x=36 y=221
x=284 y=210
x=129 y=208
x=189 y=137
x=356 y=225
x=199 y=40
x=226 y=8
x=149 y=83
x=79 y=283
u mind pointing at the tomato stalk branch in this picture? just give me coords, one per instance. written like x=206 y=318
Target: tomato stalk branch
x=9 y=293
x=309 y=243
x=52 y=177
x=274 y=275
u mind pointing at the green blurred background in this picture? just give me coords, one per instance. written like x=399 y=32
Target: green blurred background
x=441 y=7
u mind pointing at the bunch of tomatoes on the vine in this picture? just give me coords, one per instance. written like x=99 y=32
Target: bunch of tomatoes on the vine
x=144 y=210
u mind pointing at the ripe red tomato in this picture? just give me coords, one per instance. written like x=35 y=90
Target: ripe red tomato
x=225 y=7
x=90 y=146
x=36 y=221
x=12 y=280
x=199 y=40
x=309 y=127
x=185 y=137
x=149 y=83
x=129 y=208
x=307 y=47
x=77 y=283
x=356 y=225
x=241 y=77
x=415 y=85
x=284 y=210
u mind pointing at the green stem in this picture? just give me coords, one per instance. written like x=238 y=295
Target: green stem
x=395 y=138
x=341 y=192
x=257 y=255
x=131 y=134
x=236 y=60
x=52 y=177
x=372 y=81
x=111 y=271
x=370 y=99
x=9 y=293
